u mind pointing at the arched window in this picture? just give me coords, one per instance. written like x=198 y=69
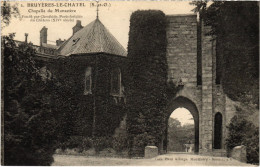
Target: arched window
x=218 y=131
x=45 y=73
x=88 y=81
x=116 y=82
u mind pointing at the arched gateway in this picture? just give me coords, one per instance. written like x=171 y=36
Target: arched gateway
x=189 y=105
x=192 y=66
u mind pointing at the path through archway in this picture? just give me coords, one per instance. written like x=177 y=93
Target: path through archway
x=183 y=102
x=181 y=131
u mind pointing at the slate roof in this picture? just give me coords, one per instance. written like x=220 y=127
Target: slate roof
x=93 y=38
x=49 y=46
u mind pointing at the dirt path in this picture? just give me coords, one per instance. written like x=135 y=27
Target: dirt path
x=172 y=159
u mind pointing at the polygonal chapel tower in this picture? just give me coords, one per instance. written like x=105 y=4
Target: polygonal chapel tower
x=91 y=65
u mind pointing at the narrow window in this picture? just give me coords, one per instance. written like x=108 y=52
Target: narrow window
x=45 y=73
x=218 y=62
x=88 y=81
x=116 y=82
x=199 y=54
x=218 y=131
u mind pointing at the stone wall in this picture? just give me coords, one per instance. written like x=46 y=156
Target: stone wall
x=209 y=97
x=182 y=55
x=182 y=49
x=207 y=92
x=221 y=103
x=219 y=99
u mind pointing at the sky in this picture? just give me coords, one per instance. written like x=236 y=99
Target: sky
x=183 y=115
x=115 y=18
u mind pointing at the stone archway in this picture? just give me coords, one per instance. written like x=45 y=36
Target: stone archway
x=189 y=105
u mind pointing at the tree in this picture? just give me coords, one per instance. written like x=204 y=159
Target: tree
x=200 y=8
x=179 y=135
x=7 y=12
x=29 y=124
x=174 y=126
x=236 y=30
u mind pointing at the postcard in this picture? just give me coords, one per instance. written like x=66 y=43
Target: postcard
x=130 y=83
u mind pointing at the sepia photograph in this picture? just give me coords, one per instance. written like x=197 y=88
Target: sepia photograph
x=129 y=83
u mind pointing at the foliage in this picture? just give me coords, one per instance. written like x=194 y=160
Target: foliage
x=147 y=76
x=179 y=135
x=140 y=141
x=119 y=143
x=101 y=143
x=73 y=109
x=29 y=123
x=80 y=142
x=76 y=110
x=172 y=90
x=235 y=26
x=200 y=8
x=243 y=132
x=7 y=11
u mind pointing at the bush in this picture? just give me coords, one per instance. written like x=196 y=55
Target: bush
x=87 y=143
x=252 y=143
x=119 y=143
x=243 y=132
x=100 y=143
x=141 y=141
x=80 y=142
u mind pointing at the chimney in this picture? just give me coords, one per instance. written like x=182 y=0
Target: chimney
x=43 y=35
x=59 y=42
x=26 y=37
x=77 y=27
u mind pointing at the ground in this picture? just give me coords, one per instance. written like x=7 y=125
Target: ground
x=170 y=159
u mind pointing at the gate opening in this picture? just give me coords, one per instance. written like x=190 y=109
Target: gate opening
x=181 y=131
x=177 y=104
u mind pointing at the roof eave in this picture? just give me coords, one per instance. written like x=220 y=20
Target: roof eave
x=93 y=54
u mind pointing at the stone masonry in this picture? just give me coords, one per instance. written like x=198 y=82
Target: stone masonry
x=182 y=67
x=207 y=93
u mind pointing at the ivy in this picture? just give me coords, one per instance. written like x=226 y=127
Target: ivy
x=79 y=112
x=235 y=26
x=146 y=79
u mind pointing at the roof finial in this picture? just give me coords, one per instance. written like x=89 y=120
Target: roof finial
x=97 y=8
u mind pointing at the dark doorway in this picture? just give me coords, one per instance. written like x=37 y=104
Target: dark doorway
x=218 y=131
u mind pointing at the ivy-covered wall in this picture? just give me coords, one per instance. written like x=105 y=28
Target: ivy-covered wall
x=96 y=114
x=146 y=80
x=236 y=27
